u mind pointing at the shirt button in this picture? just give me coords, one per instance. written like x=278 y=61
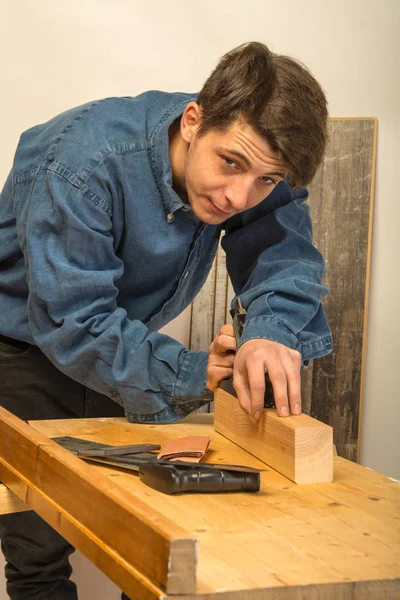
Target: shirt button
x=186 y=274
x=170 y=216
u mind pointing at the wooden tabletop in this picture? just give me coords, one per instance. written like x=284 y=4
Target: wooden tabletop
x=340 y=539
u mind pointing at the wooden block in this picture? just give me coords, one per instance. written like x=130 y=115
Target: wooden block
x=61 y=487
x=9 y=502
x=299 y=447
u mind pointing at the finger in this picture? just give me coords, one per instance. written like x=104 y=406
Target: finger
x=292 y=369
x=242 y=391
x=216 y=374
x=278 y=379
x=257 y=389
x=222 y=360
x=227 y=329
x=220 y=373
x=224 y=343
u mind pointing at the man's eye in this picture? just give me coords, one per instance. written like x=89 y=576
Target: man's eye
x=229 y=162
x=268 y=180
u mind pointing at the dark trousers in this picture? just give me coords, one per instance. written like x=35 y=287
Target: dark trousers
x=37 y=557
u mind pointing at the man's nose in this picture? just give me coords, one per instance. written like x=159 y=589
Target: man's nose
x=237 y=194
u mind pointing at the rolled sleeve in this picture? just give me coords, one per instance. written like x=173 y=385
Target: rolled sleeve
x=269 y=328
x=192 y=377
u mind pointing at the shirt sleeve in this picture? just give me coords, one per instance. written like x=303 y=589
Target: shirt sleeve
x=278 y=273
x=72 y=269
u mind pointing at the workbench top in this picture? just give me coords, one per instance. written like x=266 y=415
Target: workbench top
x=340 y=539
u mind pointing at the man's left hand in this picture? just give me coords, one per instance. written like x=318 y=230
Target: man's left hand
x=257 y=357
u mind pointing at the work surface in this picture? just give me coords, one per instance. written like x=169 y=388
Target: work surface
x=340 y=539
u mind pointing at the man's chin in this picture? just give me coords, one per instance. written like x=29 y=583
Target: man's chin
x=206 y=214
x=209 y=218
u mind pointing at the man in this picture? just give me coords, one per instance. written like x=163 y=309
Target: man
x=110 y=220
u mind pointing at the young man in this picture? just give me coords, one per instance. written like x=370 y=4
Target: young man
x=110 y=220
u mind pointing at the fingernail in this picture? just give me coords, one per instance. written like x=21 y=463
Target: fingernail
x=296 y=409
x=284 y=411
x=256 y=415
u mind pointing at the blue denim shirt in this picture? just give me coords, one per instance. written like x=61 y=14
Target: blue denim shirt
x=98 y=252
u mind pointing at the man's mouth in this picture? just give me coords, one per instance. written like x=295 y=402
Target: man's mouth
x=219 y=211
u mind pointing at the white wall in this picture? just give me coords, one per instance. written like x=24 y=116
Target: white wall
x=54 y=55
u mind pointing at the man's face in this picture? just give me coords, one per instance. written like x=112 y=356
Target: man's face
x=227 y=172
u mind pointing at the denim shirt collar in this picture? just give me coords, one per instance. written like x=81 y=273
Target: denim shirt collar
x=161 y=165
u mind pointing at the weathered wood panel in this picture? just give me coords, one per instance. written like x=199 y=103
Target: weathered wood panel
x=201 y=328
x=210 y=309
x=221 y=291
x=202 y=319
x=341 y=208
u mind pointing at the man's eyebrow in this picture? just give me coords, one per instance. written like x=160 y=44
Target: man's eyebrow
x=246 y=160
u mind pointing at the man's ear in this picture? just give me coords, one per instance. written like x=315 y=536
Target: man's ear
x=190 y=121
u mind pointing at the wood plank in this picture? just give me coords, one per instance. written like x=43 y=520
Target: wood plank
x=221 y=282
x=9 y=502
x=363 y=590
x=341 y=202
x=287 y=542
x=202 y=319
x=153 y=545
x=221 y=297
x=299 y=447
x=131 y=581
x=202 y=322
x=209 y=309
x=230 y=294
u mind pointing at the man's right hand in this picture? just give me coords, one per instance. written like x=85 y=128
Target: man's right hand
x=222 y=355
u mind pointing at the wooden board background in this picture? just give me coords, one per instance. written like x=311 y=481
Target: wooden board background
x=341 y=200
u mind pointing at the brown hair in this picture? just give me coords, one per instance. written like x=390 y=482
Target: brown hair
x=276 y=95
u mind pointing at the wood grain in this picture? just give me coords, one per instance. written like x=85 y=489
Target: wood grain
x=337 y=540
x=341 y=202
x=210 y=310
x=385 y=589
x=103 y=556
x=43 y=474
x=9 y=502
x=202 y=323
x=299 y=447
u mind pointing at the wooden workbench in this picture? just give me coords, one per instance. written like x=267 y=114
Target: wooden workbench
x=337 y=540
